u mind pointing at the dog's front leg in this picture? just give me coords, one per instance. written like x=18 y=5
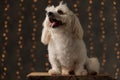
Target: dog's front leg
x=56 y=67
x=45 y=38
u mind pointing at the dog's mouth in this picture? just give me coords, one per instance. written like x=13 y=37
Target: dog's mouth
x=55 y=23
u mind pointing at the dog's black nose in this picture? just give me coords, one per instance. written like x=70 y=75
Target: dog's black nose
x=50 y=14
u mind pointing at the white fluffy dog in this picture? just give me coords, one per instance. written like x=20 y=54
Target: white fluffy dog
x=63 y=34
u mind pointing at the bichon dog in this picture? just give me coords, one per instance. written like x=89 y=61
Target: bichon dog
x=63 y=34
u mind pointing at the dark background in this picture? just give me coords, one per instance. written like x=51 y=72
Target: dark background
x=22 y=52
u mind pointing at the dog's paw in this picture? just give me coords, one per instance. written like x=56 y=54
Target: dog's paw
x=81 y=73
x=54 y=72
x=65 y=73
x=84 y=72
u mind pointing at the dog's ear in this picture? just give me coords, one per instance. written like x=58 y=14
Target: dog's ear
x=49 y=8
x=46 y=36
x=62 y=3
x=76 y=27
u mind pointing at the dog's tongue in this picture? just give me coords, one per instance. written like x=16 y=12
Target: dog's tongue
x=53 y=24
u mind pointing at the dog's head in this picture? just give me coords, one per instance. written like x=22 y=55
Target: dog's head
x=61 y=18
x=58 y=16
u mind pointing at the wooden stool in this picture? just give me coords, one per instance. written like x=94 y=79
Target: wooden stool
x=46 y=76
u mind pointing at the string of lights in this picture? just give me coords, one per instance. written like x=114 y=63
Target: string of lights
x=20 y=42
x=49 y=2
x=89 y=28
x=103 y=32
x=4 y=67
x=76 y=5
x=34 y=7
x=117 y=36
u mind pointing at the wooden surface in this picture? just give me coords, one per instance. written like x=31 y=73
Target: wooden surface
x=46 y=76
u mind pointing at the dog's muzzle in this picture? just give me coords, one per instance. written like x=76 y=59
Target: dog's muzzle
x=50 y=14
x=53 y=21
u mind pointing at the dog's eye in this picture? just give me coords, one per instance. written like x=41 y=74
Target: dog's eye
x=60 y=12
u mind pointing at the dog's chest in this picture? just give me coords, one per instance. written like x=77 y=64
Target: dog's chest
x=64 y=44
x=63 y=41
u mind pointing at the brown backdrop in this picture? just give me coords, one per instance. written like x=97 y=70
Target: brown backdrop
x=21 y=51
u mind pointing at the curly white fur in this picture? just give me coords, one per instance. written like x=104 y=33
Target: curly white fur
x=67 y=50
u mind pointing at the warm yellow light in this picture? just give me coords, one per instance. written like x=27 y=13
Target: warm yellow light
x=116 y=73
x=33 y=17
x=3 y=55
x=32 y=55
x=35 y=1
x=21 y=37
x=6 y=26
x=19 y=25
x=8 y=17
x=17 y=72
x=90 y=18
x=103 y=19
x=104 y=60
x=19 y=29
x=102 y=3
x=34 y=29
x=20 y=21
x=18 y=77
x=20 y=4
x=115 y=27
x=103 y=32
x=6 y=38
x=33 y=46
x=117 y=69
x=49 y=1
x=90 y=1
x=33 y=38
x=91 y=48
x=116 y=44
x=115 y=19
x=118 y=52
x=75 y=5
x=19 y=59
x=2 y=60
x=2 y=77
x=6 y=9
x=22 y=17
x=19 y=64
x=5 y=68
x=90 y=14
x=6 y=22
x=4 y=34
x=34 y=21
x=114 y=3
x=46 y=64
x=103 y=36
x=19 y=42
x=22 y=0
x=118 y=57
x=33 y=34
x=21 y=46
